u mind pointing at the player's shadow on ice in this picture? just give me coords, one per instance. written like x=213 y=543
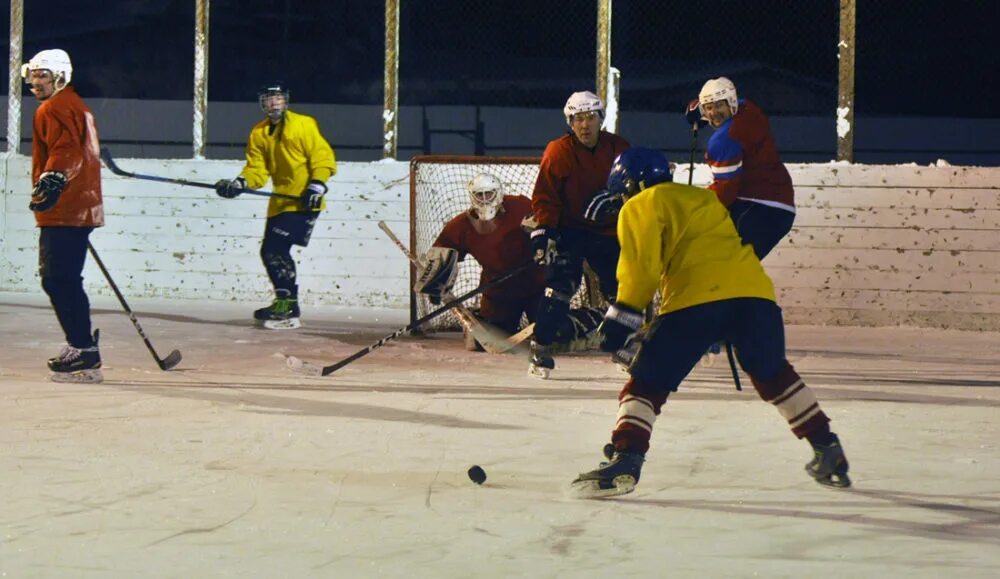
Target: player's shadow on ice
x=239 y=397
x=920 y=514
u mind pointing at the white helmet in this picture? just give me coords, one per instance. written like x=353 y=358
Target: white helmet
x=54 y=59
x=486 y=195
x=719 y=89
x=582 y=102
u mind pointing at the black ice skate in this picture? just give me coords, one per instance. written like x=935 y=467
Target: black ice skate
x=829 y=465
x=613 y=478
x=541 y=363
x=282 y=314
x=80 y=365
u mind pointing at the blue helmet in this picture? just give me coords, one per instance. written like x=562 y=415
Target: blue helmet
x=636 y=169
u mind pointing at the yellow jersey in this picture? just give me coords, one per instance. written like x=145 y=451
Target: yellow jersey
x=291 y=155
x=680 y=239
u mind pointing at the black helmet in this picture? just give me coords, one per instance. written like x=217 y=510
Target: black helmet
x=272 y=90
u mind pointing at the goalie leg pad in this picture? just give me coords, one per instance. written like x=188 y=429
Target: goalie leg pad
x=437 y=272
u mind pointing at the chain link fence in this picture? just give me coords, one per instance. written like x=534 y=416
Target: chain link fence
x=913 y=60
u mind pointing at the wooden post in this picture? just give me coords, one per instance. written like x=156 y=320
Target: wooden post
x=200 y=78
x=845 y=88
x=390 y=108
x=603 y=47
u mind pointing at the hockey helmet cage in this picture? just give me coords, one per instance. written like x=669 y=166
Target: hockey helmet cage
x=636 y=169
x=55 y=60
x=486 y=195
x=719 y=89
x=582 y=102
x=272 y=89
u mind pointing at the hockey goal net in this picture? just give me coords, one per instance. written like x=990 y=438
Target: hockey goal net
x=438 y=193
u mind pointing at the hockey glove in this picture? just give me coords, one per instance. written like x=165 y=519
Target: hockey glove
x=603 y=206
x=620 y=323
x=694 y=116
x=230 y=188
x=47 y=191
x=544 y=245
x=313 y=194
x=437 y=273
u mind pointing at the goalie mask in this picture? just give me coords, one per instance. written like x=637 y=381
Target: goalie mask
x=486 y=196
x=273 y=100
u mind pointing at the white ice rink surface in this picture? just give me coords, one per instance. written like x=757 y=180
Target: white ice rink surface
x=232 y=466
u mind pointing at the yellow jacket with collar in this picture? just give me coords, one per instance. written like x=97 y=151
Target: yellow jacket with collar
x=291 y=154
x=680 y=239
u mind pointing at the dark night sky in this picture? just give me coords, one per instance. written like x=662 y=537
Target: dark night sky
x=913 y=57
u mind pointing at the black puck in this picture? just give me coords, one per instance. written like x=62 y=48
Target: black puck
x=477 y=474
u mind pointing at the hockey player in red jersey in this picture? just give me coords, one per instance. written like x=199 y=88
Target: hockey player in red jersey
x=491 y=231
x=571 y=178
x=68 y=206
x=748 y=175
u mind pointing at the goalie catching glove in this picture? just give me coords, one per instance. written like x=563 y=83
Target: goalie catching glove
x=620 y=324
x=437 y=273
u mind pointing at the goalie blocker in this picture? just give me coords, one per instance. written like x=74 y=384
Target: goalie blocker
x=437 y=273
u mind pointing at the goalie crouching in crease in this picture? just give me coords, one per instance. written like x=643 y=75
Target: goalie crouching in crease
x=679 y=239
x=491 y=231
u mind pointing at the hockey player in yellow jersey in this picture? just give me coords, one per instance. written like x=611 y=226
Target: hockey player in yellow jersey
x=681 y=241
x=287 y=148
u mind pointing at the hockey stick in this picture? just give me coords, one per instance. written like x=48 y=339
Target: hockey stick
x=165 y=363
x=694 y=148
x=732 y=366
x=110 y=163
x=493 y=340
x=306 y=368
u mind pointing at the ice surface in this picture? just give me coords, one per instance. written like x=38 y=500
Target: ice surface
x=232 y=465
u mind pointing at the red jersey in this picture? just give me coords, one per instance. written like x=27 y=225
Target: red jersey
x=745 y=162
x=64 y=139
x=569 y=176
x=504 y=248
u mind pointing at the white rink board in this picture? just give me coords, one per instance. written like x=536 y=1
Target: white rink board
x=872 y=245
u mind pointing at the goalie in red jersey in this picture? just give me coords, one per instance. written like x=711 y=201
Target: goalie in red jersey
x=491 y=231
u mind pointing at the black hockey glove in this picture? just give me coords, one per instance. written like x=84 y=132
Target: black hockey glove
x=230 y=188
x=47 y=191
x=603 y=206
x=312 y=197
x=544 y=245
x=693 y=114
x=620 y=323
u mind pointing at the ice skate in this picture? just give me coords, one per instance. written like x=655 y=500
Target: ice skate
x=708 y=359
x=616 y=477
x=541 y=363
x=829 y=465
x=77 y=365
x=282 y=314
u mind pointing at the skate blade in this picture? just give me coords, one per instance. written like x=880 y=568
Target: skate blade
x=300 y=366
x=539 y=372
x=591 y=489
x=289 y=324
x=94 y=376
